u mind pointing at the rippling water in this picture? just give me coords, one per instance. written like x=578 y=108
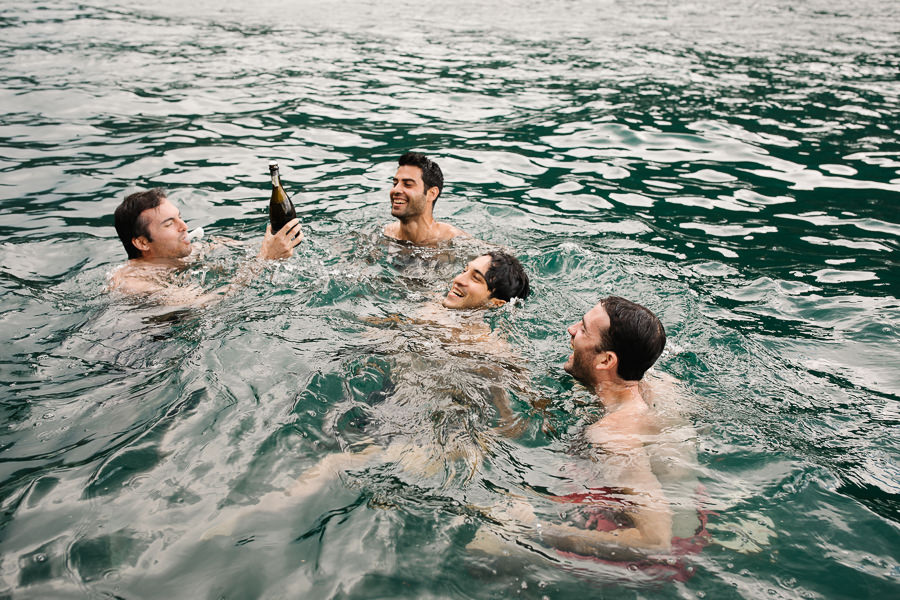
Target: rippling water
x=732 y=166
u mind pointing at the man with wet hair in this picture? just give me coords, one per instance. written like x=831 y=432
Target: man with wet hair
x=416 y=187
x=627 y=339
x=626 y=516
x=156 y=240
x=492 y=279
x=488 y=281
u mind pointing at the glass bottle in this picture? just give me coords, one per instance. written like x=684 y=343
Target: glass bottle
x=281 y=209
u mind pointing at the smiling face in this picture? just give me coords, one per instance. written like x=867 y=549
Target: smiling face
x=586 y=337
x=167 y=233
x=409 y=198
x=469 y=289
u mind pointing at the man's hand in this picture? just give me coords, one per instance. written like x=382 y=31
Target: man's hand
x=281 y=244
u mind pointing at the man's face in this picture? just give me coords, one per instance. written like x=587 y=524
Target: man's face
x=586 y=336
x=469 y=289
x=409 y=198
x=168 y=233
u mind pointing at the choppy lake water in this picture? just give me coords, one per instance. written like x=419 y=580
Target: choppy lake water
x=733 y=166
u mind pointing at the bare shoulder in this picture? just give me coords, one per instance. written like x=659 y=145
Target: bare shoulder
x=392 y=230
x=657 y=385
x=622 y=430
x=446 y=231
x=669 y=398
x=132 y=280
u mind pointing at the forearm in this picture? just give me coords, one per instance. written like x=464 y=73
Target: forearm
x=509 y=424
x=621 y=544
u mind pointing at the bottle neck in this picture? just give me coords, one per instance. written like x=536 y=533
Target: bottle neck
x=275 y=181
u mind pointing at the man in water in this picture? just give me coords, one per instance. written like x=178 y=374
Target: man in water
x=612 y=347
x=417 y=186
x=156 y=240
x=488 y=281
x=491 y=280
x=629 y=518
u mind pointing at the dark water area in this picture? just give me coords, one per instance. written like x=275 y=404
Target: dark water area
x=735 y=168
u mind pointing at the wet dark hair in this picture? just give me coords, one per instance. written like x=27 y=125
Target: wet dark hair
x=431 y=172
x=129 y=223
x=506 y=278
x=635 y=334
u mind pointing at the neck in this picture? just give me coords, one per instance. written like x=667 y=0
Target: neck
x=616 y=393
x=154 y=261
x=419 y=229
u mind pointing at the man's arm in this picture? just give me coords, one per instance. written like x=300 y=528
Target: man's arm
x=274 y=246
x=156 y=283
x=618 y=437
x=651 y=533
x=642 y=501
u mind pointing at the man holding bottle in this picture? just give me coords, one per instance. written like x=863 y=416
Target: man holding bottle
x=416 y=188
x=156 y=240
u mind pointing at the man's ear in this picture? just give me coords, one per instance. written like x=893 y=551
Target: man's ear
x=432 y=193
x=606 y=360
x=141 y=243
x=495 y=302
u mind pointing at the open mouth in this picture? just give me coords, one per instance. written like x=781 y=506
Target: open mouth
x=454 y=291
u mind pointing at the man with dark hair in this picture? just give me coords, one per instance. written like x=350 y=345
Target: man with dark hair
x=156 y=240
x=416 y=188
x=612 y=346
x=129 y=222
x=492 y=279
x=489 y=281
x=625 y=516
x=617 y=340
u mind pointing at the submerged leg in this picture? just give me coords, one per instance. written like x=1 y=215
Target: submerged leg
x=308 y=484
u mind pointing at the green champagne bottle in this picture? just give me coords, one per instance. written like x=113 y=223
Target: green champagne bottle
x=281 y=209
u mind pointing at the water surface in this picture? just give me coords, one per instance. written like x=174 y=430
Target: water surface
x=734 y=168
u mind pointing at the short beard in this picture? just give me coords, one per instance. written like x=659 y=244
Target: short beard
x=579 y=370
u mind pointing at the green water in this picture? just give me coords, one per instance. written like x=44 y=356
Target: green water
x=733 y=167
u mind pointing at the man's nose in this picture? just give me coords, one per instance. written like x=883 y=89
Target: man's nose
x=571 y=329
x=182 y=224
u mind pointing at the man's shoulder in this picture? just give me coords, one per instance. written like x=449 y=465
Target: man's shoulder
x=446 y=231
x=392 y=228
x=134 y=278
x=632 y=421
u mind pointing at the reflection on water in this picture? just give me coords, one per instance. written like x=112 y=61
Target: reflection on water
x=734 y=168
